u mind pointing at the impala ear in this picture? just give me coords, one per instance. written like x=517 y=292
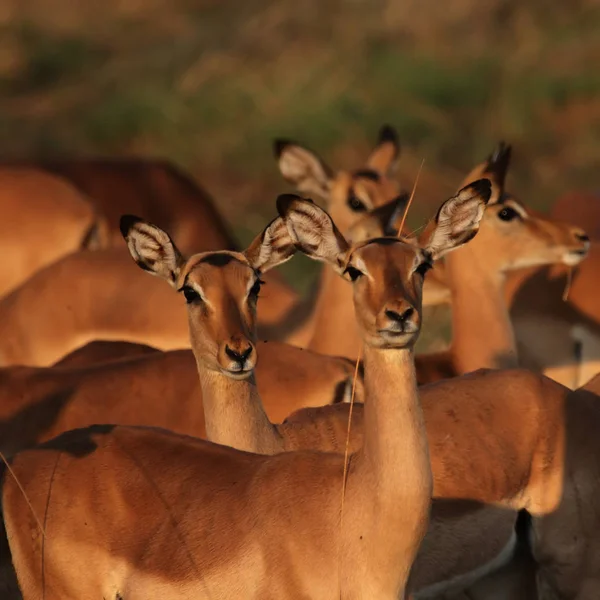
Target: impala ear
x=271 y=247
x=385 y=154
x=303 y=168
x=497 y=166
x=313 y=231
x=458 y=219
x=151 y=248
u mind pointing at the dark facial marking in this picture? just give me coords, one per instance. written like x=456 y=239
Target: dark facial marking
x=218 y=260
x=353 y=273
x=367 y=174
x=423 y=268
x=384 y=241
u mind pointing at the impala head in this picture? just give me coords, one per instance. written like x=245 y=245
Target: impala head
x=517 y=236
x=220 y=288
x=348 y=194
x=387 y=273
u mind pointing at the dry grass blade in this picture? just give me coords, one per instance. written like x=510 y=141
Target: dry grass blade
x=347 y=447
x=412 y=195
x=39 y=523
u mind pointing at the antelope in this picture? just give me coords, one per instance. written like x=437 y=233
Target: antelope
x=236 y=417
x=348 y=196
x=546 y=329
x=535 y=449
x=236 y=529
x=27 y=243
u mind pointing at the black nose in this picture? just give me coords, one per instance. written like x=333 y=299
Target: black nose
x=582 y=237
x=238 y=356
x=400 y=317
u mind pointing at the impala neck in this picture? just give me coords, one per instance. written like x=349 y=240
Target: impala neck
x=482 y=333
x=395 y=454
x=234 y=413
x=335 y=330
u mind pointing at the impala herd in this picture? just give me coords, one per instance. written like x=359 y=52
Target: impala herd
x=197 y=442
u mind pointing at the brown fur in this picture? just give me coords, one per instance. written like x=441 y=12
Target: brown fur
x=100 y=295
x=154 y=189
x=160 y=389
x=29 y=202
x=100 y=352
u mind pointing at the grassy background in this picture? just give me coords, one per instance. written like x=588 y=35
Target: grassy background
x=209 y=83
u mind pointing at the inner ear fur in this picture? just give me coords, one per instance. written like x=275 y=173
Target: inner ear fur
x=272 y=247
x=313 y=231
x=152 y=248
x=458 y=219
x=303 y=168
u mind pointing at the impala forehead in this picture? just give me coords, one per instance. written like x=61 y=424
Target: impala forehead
x=217 y=269
x=386 y=255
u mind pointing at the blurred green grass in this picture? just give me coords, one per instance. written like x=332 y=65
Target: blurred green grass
x=209 y=84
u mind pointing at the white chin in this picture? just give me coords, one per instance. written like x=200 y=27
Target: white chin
x=572 y=259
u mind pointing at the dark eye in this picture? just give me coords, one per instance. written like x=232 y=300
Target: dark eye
x=423 y=268
x=191 y=295
x=508 y=214
x=255 y=289
x=356 y=204
x=353 y=273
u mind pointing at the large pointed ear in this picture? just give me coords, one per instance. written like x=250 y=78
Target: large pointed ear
x=385 y=154
x=270 y=248
x=151 y=248
x=313 y=231
x=303 y=168
x=380 y=222
x=493 y=168
x=457 y=220
x=497 y=166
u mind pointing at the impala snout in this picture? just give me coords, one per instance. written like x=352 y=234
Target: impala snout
x=580 y=249
x=398 y=324
x=238 y=358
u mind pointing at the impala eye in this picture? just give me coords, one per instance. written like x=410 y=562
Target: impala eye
x=356 y=204
x=423 y=268
x=191 y=295
x=255 y=289
x=508 y=214
x=353 y=273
